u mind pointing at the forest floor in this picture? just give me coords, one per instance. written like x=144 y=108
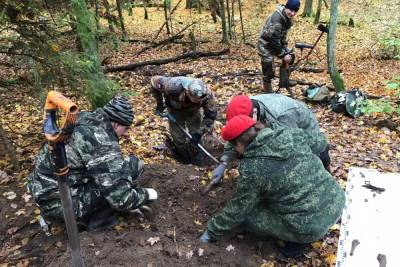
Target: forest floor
x=170 y=237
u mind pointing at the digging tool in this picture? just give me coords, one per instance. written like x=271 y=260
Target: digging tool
x=56 y=138
x=173 y=120
x=214 y=181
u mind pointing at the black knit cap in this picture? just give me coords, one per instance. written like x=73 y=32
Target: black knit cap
x=293 y=5
x=119 y=110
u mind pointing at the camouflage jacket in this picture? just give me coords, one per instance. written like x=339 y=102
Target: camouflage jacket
x=94 y=156
x=285 y=111
x=172 y=88
x=279 y=172
x=273 y=36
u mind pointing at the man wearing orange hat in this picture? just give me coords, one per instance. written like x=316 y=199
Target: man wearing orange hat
x=283 y=189
x=272 y=109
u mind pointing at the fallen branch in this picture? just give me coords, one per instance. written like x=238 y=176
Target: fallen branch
x=157 y=62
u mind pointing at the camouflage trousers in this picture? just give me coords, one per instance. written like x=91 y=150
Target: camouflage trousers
x=86 y=199
x=268 y=68
x=265 y=222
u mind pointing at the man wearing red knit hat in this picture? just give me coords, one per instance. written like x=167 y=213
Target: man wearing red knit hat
x=283 y=190
x=272 y=109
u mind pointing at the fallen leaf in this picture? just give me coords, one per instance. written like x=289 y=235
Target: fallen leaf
x=268 y=264
x=200 y=252
x=153 y=240
x=26 y=197
x=335 y=227
x=189 y=255
x=97 y=253
x=14 y=206
x=331 y=259
x=20 y=212
x=230 y=248
x=317 y=245
x=197 y=222
x=10 y=195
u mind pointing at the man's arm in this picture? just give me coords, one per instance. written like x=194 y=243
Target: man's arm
x=210 y=112
x=271 y=38
x=238 y=208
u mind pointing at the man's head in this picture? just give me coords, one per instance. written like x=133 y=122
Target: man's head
x=196 y=91
x=291 y=8
x=120 y=113
x=241 y=105
x=155 y=81
x=239 y=131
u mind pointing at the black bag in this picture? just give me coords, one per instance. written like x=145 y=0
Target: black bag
x=350 y=103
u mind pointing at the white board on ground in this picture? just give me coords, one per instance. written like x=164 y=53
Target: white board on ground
x=370 y=220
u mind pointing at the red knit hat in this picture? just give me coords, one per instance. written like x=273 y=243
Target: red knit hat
x=240 y=104
x=236 y=127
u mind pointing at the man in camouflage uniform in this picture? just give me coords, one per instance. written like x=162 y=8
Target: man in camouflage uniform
x=283 y=189
x=184 y=97
x=100 y=178
x=273 y=109
x=272 y=41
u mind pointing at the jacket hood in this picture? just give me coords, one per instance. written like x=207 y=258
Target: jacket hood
x=274 y=143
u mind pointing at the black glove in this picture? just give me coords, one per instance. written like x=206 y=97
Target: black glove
x=159 y=109
x=195 y=139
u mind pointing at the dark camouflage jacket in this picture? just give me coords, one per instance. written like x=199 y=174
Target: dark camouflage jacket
x=273 y=36
x=284 y=111
x=94 y=157
x=280 y=173
x=172 y=89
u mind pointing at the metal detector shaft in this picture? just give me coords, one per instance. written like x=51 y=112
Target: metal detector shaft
x=172 y=119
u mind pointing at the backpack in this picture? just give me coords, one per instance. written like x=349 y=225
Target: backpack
x=316 y=93
x=349 y=103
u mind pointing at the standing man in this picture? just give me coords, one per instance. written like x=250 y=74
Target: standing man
x=101 y=179
x=283 y=189
x=272 y=41
x=272 y=110
x=184 y=98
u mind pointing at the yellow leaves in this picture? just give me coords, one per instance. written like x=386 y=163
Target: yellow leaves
x=268 y=264
x=55 y=48
x=317 y=245
x=37 y=211
x=331 y=259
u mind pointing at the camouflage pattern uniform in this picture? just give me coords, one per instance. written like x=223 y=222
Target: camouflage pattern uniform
x=186 y=113
x=272 y=41
x=100 y=177
x=282 y=110
x=283 y=190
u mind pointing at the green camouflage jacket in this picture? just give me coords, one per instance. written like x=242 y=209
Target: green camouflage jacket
x=282 y=110
x=279 y=172
x=273 y=36
x=94 y=157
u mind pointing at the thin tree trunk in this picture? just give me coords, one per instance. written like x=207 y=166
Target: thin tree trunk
x=109 y=16
x=241 y=20
x=318 y=13
x=336 y=78
x=225 y=39
x=228 y=12
x=121 y=20
x=96 y=8
x=166 y=17
x=10 y=149
x=233 y=19
x=307 y=8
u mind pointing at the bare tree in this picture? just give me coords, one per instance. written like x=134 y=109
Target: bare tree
x=318 y=13
x=121 y=20
x=110 y=18
x=336 y=78
x=225 y=39
x=307 y=12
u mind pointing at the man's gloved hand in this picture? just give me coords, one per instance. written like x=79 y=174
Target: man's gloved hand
x=152 y=194
x=218 y=172
x=159 y=109
x=196 y=137
x=205 y=237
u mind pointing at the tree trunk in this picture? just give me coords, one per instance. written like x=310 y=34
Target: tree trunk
x=318 y=13
x=166 y=17
x=225 y=39
x=307 y=8
x=192 y=4
x=121 y=20
x=337 y=80
x=109 y=16
x=10 y=149
x=241 y=20
x=228 y=12
x=96 y=10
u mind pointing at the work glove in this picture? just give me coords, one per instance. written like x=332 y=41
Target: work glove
x=195 y=139
x=218 y=172
x=159 y=109
x=205 y=237
x=152 y=194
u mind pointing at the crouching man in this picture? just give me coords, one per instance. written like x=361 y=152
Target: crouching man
x=283 y=190
x=100 y=178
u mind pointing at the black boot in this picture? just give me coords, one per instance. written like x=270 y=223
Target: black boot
x=292 y=249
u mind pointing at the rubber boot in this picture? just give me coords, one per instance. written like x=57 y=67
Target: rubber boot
x=267 y=87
